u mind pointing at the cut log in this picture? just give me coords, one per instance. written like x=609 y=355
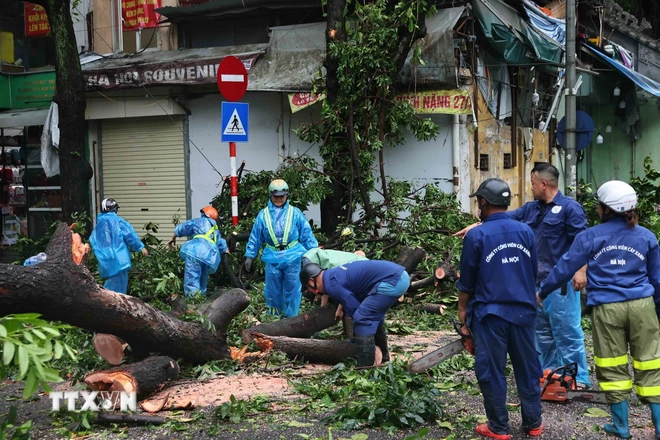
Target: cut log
x=414 y=259
x=301 y=326
x=106 y=419
x=445 y=273
x=349 y=332
x=404 y=253
x=225 y=308
x=109 y=347
x=415 y=286
x=435 y=308
x=83 y=303
x=144 y=377
x=320 y=351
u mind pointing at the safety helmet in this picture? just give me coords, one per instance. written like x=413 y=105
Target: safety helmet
x=278 y=187
x=210 y=212
x=109 y=205
x=308 y=271
x=494 y=191
x=617 y=195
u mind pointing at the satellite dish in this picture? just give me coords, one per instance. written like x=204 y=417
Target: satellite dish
x=584 y=131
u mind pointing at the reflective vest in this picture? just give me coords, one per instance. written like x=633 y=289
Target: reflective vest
x=209 y=235
x=280 y=246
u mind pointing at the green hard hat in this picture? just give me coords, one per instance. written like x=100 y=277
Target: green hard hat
x=278 y=187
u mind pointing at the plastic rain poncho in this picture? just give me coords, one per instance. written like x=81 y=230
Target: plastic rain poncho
x=286 y=241
x=111 y=239
x=202 y=253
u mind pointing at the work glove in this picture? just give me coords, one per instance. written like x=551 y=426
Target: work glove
x=248 y=264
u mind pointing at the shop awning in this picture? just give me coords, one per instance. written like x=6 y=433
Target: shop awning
x=645 y=83
x=512 y=37
x=22 y=118
x=220 y=7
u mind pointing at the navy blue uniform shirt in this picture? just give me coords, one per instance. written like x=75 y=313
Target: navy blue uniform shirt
x=498 y=267
x=349 y=285
x=555 y=224
x=622 y=263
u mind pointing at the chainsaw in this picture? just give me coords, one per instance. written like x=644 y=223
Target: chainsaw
x=559 y=385
x=441 y=354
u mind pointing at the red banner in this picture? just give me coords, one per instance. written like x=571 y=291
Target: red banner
x=140 y=14
x=36 y=21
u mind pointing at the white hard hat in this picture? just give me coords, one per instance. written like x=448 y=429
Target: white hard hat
x=617 y=195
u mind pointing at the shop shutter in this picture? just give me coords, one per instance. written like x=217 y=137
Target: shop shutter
x=143 y=168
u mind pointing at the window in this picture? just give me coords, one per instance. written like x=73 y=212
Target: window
x=483 y=162
x=507 y=161
x=128 y=40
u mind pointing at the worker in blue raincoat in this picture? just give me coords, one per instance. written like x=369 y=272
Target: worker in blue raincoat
x=287 y=235
x=366 y=289
x=623 y=286
x=111 y=239
x=203 y=252
x=497 y=301
x=556 y=220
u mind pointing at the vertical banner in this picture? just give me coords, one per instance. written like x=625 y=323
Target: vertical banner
x=139 y=14
x=36 y=20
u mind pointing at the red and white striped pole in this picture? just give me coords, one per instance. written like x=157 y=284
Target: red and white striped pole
x=234 y=184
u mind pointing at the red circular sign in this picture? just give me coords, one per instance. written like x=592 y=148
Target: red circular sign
x=232 y=78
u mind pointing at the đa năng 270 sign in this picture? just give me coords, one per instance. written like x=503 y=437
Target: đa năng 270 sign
x=93 y=400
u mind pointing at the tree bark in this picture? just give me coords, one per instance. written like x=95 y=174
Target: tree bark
x=145 y=377
x=225 y=308
x=312 y=350
x=414 y=259
x=301 y=326
x=438 y=309
x=60 y=290
x=404 y=253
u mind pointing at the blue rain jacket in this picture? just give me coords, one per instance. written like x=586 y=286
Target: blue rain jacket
x=299 y=239
x=623 y=264
x=204 y=246
x=111 y=239
x=498 y=268
x=351 y=284
x=555 y=228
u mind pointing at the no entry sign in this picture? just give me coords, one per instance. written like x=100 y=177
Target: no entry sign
x=232 y=78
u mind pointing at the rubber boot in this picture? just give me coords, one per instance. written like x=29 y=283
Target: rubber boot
x=367 y=350
x=655 y=416
x=381 y=341
x=619 y=425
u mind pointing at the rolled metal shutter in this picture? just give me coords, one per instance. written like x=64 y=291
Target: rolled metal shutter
x=143 y=168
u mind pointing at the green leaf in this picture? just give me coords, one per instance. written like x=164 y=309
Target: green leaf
x=31 y=385
x=596 y=412
x=296 y=424
x=360 y=436
x=58 y=350
x=8 y=349
x=3 y=331
x=23 y=362
x=446 y=425
x=39 y=333
x=52 y=331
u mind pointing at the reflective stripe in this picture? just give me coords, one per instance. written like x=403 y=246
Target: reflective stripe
x=621 y=385
x=208 y=235
x=287 y=229
x=647 y=391
x=646 y=365
x=611 y=362
x=289 y=246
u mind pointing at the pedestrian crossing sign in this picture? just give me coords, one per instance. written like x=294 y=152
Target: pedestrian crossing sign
x=234 y=122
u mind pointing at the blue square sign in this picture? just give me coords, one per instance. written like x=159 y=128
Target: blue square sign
x=235 y=122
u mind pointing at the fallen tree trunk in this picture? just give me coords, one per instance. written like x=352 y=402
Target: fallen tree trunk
x=415 y=286
x=61 y=290
x=438 y=309
x=414 y=259
x=144 y=377
x=404 y=253
x=225 y=308
x=301 y=326
x=312 y=350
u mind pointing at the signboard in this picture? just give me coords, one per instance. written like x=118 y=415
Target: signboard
x=32 y=90
x=234 y=121
x=184 y=71
x=232 y=78
x=139 y=14
x=439 y=101
x=299 y=101
x=36 y=20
